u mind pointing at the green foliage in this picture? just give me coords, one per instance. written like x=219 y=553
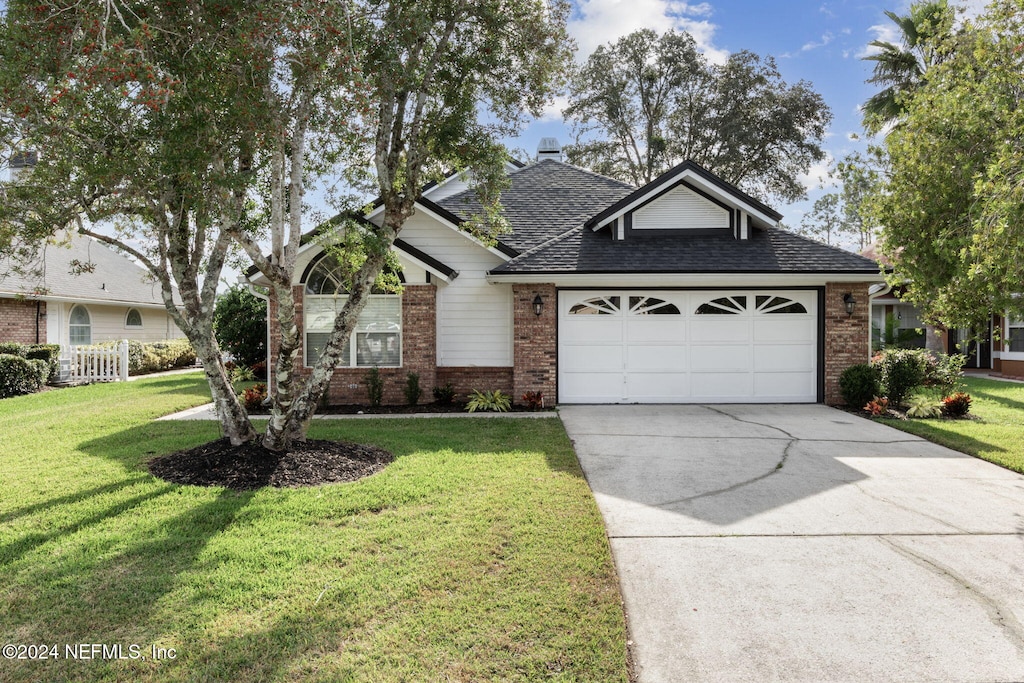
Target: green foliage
x=240 y=323
x=412 y=389
x=12 y=349
x=956 y=405
x=444 y=395
x=489 y=401
x=952 y=205
x=48 y=353
x=923 y=406
x=374 y=386
x=892 y=336
x=877 y=406
x=858 y=384
x=19 y=375
x=901 y=371
x=147 y=357
x=945 y=372
x=739 y=120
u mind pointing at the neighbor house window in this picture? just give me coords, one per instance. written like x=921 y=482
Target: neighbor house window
x=1015 y=335
x=80 y=326
x=377 y=338
x=133 y=318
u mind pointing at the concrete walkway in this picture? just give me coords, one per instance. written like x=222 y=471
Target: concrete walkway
x=802 y=543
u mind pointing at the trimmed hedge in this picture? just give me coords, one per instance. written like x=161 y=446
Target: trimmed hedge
x=20 y=375
x=147 y=357
x=859 y=384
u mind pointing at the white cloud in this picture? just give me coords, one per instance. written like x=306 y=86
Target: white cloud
x=553 y=112
x=603 y=21
x=818 y=175
x=887 y=33
x=825 y=40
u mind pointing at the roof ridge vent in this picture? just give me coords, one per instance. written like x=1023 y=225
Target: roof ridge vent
x=549 y=148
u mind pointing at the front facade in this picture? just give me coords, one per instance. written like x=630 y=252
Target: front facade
x=684 y=290
x=80 y=292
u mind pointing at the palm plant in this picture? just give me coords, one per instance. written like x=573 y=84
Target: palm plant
x=902 y=68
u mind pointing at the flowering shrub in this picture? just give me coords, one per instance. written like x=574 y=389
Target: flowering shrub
x=957 y=405
x=254 y=396
x=877 y=406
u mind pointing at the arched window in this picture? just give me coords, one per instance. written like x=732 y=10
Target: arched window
x=80 y=326
x=133 y=318
x=377 y=339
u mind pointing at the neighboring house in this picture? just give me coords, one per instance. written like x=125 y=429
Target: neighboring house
x=110 y=299
x=684 y=290
x=886 y=301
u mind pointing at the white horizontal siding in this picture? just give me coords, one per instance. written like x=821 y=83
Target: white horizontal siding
x=108 y=324
x=474 y=318
x=680 y=209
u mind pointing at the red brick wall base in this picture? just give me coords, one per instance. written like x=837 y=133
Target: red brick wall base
x=847 y=337
x=535 y=345
x=18 y=321
x=469 y=379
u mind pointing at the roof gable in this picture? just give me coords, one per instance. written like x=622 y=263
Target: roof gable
x=700 y=181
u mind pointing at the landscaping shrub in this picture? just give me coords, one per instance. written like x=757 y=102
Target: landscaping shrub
x=253 y=398
x=147 y=357
x=900 y=372
x=493 y=401
x=240 y=323
x=21 y=376
x=945 y=372
x=924 y=406
x=859 y=384
x=877 y=406
x=50 y=354
x=534 y=400
x=444 y=395
x=412 y=389
x=12 y=349
x=374 y=386
x=956 y=405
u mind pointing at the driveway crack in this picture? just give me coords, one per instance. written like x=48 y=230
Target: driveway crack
x=882 y=499
x=997 y=614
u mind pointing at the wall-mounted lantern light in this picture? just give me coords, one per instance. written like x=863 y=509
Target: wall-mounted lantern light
x=849 y=302
x=538 y=305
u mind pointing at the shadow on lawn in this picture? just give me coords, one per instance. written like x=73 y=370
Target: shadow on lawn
x=1001 y=400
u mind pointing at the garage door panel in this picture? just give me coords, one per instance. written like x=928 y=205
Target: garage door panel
x=592 y=387
x=721 y=385
x=718 y=328
x=784 y=328
x=719 y=358
x=594 y=358
x=655 y=328
x=784 y=358
x=781 y=386
x=592 y=328
x=668 y=387
x=654 y=358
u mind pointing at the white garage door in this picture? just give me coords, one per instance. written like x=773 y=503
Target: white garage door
x=687 y=347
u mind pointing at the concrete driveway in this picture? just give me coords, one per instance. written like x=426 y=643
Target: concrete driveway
x=799 y=542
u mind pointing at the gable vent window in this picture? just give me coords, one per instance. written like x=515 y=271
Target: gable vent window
x=648 y=305
x=601 y=305
x=727 y=305
x=778 y=304
x=133 y=318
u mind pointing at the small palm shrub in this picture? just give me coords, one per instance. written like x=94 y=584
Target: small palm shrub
x=859 y=384
x=444 y=395
x=492 y=401
x=956 y=405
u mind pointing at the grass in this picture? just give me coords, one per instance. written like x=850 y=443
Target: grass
x=997 y=432
x=478 y=554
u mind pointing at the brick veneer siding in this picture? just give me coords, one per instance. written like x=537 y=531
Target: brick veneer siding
x=419 y=352
x=467 y=379
x=18 y=321
x=535 y=342
x=847 y=338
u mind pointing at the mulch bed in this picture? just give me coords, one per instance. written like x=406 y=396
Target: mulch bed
x=251 y=466
x=440 y=408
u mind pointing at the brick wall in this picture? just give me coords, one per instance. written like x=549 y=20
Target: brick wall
x=468 y=379
x=847 y=338
x=18 y=321
x=535 y=350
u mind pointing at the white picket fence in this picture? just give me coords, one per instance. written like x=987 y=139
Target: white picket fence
x=98 y=364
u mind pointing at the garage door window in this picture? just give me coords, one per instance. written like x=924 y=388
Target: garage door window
x=778 y=304
x=727 y=305
x=648 y=305
x=601 y=305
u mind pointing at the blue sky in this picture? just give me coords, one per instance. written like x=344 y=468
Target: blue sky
x=821 y=41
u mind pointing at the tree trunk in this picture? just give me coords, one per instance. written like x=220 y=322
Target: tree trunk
x=234 y=421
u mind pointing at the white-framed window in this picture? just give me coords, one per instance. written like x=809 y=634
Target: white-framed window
x=80 y=326
x=133 y=318
x=1015 y=334
x=377 y=339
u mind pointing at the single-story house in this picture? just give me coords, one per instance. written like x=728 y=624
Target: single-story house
x=684 y=290
x=79 y=291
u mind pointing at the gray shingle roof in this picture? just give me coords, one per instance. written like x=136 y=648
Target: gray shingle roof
x=545 y=199
x=114 y=277
x=582 y=250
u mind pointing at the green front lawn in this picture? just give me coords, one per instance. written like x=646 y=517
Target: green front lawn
x=478 y=554
x=997 y=432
